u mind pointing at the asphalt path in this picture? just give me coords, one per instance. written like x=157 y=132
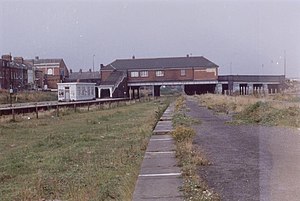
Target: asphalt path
x=249 y=162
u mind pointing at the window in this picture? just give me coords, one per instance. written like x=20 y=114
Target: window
x=78 y=91
x=88 y=91
x=160 y=73
x=182 y=72
x=144 y=73
x=50 y=71
x=134 y=74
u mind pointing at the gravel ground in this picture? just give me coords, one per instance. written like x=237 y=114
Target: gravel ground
x=249 y=162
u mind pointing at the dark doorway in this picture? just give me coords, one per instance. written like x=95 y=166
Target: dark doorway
x=105 y=93
x=225 y=89
x=96 y=92
x=193 y=89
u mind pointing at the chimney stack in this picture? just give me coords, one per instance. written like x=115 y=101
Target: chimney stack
x=133 y=57
x=19 y=60
x=80 y=70
x=187 y=55
x=101 y=66
x=7 y=57
x=71 y=71
x=90 y=70
x=37 y=58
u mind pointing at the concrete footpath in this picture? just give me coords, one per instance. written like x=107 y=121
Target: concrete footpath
x=160 y=177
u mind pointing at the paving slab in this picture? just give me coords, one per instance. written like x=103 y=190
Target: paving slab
x=163 y=127
x=168 y=136
x=160 y=177
x=168 y=114
x=158 y=188
x=156 y=146
x=166 y=118
x=160 y=164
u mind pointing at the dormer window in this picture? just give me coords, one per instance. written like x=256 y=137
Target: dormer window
x=144 y=73
x=182 y=72
x=159 y=73
x=134 y=74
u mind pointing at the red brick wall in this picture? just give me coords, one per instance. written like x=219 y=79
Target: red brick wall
x=51 y=81
x=204 y=75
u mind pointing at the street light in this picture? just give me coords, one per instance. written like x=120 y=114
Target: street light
x=11 y=91
x=93 y=61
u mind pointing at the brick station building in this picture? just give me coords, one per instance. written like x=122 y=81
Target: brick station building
x=196 y=75
x=124 y=77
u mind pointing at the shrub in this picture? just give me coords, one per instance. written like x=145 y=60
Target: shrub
x=179 y=103
x=182 y=133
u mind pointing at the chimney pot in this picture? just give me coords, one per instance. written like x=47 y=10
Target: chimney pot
x=37 y=58
x=19 y=60
x=133 y=57
x=187 y=55
x=71 y=71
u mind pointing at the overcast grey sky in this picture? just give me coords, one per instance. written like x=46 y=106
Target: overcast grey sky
x=251 y=35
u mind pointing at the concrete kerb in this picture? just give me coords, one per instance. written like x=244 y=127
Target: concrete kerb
x=160 y=177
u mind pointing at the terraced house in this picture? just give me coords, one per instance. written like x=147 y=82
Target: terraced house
x=13 y=73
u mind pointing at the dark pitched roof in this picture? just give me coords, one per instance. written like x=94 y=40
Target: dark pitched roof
x=42 y=61
x=15 y=64
x=113 y=78
x=84 y=75
x=153 y=63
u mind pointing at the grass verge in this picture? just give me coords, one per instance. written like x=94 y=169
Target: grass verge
x=264 y=113
x=250 y=109
x=27 y=96
x=189 y=156
x=92 y=155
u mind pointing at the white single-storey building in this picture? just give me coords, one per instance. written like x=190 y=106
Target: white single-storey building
x=76 y=91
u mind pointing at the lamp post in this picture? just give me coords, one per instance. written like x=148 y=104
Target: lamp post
x=11 y=91
x=93 y=62
x=284 y=64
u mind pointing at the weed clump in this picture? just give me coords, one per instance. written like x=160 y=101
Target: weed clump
x=182 y=133
x=179 y=103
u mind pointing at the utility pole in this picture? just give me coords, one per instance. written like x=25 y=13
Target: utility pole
x=284 y=64
x=93 y=62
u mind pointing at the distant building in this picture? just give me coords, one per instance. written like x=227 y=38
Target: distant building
x=89 y=76
x=13 y=73
x=54 y=70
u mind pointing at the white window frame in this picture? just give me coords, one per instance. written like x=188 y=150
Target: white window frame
x=182 y=72
x=144 y=73
x=160 y=73
x=134 y=74
x=49 y=71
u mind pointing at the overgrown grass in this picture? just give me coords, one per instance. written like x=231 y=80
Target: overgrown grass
x=250 y=109
x=92 y=155
x=263 y=113
x=189 y=156
x=27 y=96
